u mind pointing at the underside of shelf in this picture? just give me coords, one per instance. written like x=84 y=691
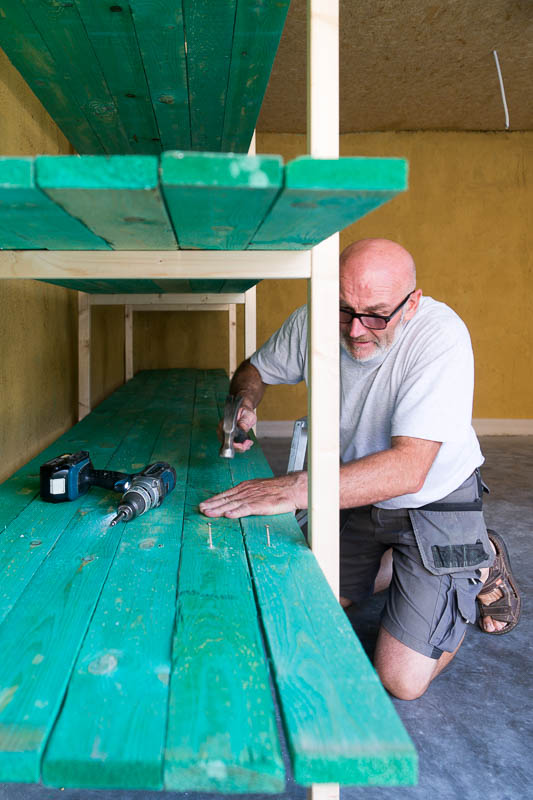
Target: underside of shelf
x=186 y=201
x=143 y=77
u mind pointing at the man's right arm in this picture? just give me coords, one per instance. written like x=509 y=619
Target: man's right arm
x=247 y=383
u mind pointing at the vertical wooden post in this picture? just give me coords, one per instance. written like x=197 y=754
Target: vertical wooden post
x=323 y=305
x=232 y=323
x=84 y=355
x=128 y=343
x=250 y=322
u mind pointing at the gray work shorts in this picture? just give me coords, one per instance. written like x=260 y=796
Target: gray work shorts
x=437 y=558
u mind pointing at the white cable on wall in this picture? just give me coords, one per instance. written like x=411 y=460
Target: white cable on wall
x=502 y=88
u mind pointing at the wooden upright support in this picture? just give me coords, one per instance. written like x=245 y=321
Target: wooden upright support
x=323 y=305
x=84 y=355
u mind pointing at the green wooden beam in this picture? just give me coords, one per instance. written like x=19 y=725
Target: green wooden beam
x=323 y=196
x=27 y=50
x=339 y=721
x=63 y=31
x=258 y=28
x=27 y=214
x=117 y=197
x=122 y=671
x=221 y=728
x=217 y=201
x=113 y=38
x=209 y=30
x=161 y=36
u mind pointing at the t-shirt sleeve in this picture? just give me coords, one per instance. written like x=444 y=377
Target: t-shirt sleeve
x=434 y=400
x=282 y=357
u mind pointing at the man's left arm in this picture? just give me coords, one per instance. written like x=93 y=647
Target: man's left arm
x=402 y=469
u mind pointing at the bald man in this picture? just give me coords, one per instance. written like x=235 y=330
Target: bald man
x=410 y=490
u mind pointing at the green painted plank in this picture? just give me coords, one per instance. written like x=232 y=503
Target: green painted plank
x=29 y=54
x=42 y=635
x=113 y=38
x=95 y=286
x=100 y=432
x=258 y=28
x=209 y=30
x=217 y=201
x=111 y=730
x=29 y=214
x=340 y=723
x=322 y=196
x=116 y=197
x=221 y=730
x=161 y=37
x=63 y=31
x=238 y=285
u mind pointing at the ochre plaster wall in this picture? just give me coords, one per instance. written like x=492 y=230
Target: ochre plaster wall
x=38 y=324
x=467 y=219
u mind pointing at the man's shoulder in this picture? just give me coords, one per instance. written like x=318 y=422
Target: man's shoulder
x=433 y=314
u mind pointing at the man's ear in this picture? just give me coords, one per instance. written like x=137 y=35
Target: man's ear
x=412 y=304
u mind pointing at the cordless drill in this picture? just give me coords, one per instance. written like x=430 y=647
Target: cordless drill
x=147 y=490
x=70 y=476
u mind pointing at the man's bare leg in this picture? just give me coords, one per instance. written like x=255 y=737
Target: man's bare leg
x=405 y=673
x=383 y=578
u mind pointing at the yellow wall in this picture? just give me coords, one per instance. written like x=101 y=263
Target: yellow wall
x=466 y=218
x=38 y=380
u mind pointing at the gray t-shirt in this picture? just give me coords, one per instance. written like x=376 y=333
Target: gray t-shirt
x=423 y=388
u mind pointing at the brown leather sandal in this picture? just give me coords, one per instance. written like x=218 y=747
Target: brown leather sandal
x=507 y=607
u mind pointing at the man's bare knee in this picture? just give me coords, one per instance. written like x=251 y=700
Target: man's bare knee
x=402 y=686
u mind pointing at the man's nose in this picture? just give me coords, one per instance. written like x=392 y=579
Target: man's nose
x=357 y=328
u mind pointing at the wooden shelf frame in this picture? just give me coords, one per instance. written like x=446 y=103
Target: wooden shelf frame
x=319 y=266
x=159 y=302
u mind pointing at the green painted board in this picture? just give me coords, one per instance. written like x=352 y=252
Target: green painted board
x=112 y=727
x=116 y=197
x=29 y=214
x=217 y=201
x=322 y=196
x=63 y=31
x=156 y=287
x=221 y=728
x=29 y=54
x=47 y=625
x=339 y=722
x=209 y=31
x=114 y=40
x=258 y=28
x=161 y=38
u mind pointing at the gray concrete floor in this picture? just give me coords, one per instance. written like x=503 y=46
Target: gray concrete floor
x=474 y=727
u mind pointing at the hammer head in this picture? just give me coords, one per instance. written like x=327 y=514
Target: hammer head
x=232 y=432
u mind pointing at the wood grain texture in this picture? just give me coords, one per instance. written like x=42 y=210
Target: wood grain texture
x=209 y=28
x=28 y=52
x=27 y=214
x=111 y=732
x=323 y=196
x=221 y=728
x=116 y=197
x=340 y=723
x=66 y=39
x=258 y=28
x=161 y=36
x=217 y=201
x=113 y=38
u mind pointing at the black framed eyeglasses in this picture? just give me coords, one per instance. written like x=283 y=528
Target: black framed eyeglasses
x=375 y=322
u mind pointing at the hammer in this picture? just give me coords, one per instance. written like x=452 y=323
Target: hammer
x=232 y=433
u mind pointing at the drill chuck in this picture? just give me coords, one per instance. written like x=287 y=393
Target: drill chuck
x=148 y=490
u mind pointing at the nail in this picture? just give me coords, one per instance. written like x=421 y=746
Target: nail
x=210 y=536
x=268 y=535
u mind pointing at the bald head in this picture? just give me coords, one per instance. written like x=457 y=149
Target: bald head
x=376 y=263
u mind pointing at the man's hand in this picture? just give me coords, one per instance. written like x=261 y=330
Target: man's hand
x=246 y=419
x=261 y=496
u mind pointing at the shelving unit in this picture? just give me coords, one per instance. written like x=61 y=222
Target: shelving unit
x=145 y=221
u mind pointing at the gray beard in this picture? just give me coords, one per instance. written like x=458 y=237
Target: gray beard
x=382 y=351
